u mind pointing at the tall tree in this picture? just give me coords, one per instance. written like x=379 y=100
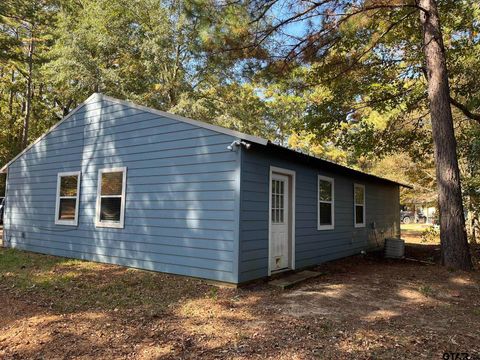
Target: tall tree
x=148 y=51
x=468 y=136
x=24 y=33
x=455 y=250
x=367 y=57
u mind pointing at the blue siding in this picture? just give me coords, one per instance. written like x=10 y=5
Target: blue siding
x=312 y=246
x=182 y=193
x=192 y=207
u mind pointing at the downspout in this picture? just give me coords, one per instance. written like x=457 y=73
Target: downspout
x=237 y=223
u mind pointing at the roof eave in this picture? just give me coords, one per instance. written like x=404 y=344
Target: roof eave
x=342 y=167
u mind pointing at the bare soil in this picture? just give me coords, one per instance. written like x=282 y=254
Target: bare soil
x=360 y=308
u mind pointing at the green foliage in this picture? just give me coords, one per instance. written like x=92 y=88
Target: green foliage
x=141 y=50
x=23 y=25
x=360 y=70
x=430 y=234
x=156 y=53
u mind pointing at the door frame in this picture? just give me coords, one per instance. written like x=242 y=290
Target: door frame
x=292 y=175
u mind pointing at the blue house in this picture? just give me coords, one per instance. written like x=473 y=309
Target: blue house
x=120 y=183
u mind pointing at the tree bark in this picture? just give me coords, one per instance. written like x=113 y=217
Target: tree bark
x=454 y=245
x=473 y=220
x=11 y=119
x=476 y=229
x=28 y=107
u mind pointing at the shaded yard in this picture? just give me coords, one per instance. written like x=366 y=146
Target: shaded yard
x=361 y=308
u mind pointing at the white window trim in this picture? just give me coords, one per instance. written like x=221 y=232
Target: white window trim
x=364 y=206
x=332 y=181
x=73 y=222
x=111 y=224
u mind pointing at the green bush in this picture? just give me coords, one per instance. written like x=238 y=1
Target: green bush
x=430 y=234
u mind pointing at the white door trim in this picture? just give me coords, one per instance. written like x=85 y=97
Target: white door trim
x=292 y=174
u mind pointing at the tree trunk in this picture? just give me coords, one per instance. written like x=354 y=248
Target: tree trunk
x=13 y=138
x=473 y=221
x=28 y=107
x=476 y=229
x=453 y=236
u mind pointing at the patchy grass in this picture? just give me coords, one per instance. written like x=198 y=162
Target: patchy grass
x=363 y=307
x=426 y=290
x=69 y=285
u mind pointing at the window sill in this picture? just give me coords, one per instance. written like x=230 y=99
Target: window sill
x=326 y=227
x=113 y=225
x=66 y=223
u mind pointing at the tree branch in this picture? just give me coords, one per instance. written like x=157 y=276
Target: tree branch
x=464 y=110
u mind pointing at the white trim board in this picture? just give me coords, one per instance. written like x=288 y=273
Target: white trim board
x=292 y=174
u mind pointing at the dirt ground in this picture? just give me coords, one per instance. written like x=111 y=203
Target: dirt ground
x=360 y=308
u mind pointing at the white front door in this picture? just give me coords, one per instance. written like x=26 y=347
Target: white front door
x=279 y=222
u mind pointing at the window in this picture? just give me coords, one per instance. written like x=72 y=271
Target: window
x=111 y=197
x=278 y=201
x=359 y=205
x=326 y=207
x=68 y=189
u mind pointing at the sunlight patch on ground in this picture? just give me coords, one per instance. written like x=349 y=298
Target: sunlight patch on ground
x=150 y=351
x=209 y=307
x=459 y=280
x=366 y=342
x=335 y=291
x=220 y=323
x=38 y=330
x=357 y=301
x=382 y=314
x=50 y=278
x=362 y=308
x=412 y=296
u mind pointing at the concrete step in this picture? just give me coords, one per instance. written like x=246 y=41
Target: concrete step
x=290 y=280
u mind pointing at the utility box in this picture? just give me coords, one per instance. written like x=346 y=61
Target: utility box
x=394 y=248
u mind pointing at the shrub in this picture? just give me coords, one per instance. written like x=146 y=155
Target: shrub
x=430 y=234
